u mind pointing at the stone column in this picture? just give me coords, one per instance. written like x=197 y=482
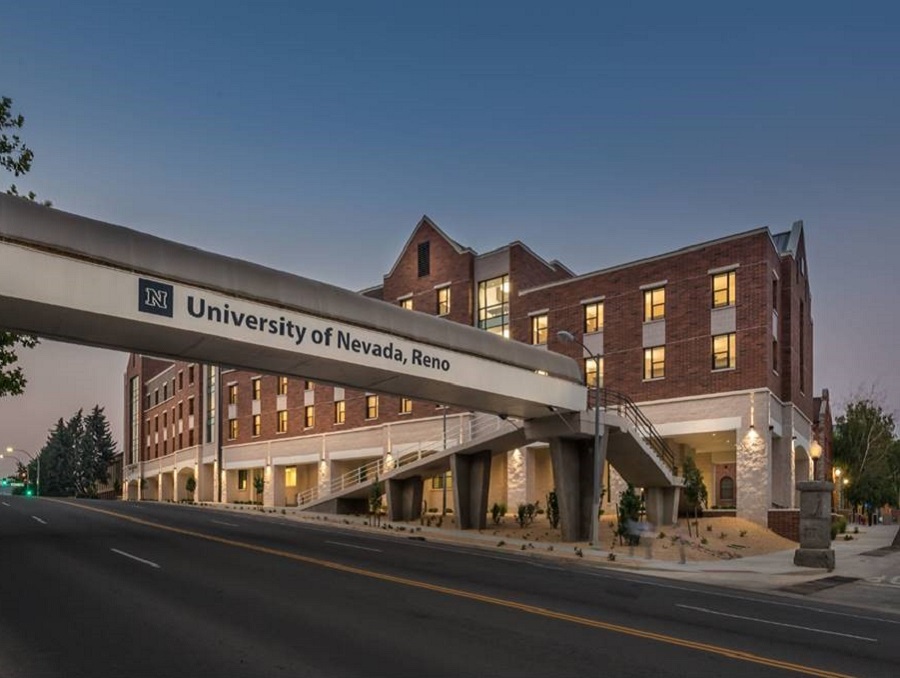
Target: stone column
x=815 y=525
x=516 y=478
x=471 y=482
x=404 y=497
x=662 y=505
x=572 y=474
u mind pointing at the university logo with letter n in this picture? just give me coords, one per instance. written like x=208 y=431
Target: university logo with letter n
x=155 y=297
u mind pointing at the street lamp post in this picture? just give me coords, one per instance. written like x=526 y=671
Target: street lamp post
x=10 y=450
x=597 y=488
x=815 y=451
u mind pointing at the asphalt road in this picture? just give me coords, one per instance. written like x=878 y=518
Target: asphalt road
x=112 y=589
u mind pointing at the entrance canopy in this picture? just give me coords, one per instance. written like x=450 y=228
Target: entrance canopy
x=83 y=281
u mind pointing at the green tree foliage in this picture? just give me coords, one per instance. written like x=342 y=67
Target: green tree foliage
x=865 y=447
x=695 y=492
x=15 y=157
x=76 y=456
x=629 y=515
x=190 y=485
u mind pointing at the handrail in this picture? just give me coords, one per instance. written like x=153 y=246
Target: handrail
x=623 y=405
x=460 y=430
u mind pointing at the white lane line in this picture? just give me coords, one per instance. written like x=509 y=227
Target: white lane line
x=42 y=522
x=5 y=504
x=354 y=546
x=140 y=560
x=222 y=522
x=762 y=601
x=774 y=623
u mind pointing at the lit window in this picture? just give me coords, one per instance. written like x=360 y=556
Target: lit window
x=242 y=479
x=723 y=289
x=256 y=388
x=257 y=424
x=592 y=373
x=443 y=301
x=290 y=476
x=282 y=385
x=371 y=407
x=282 y=421
x=340 y=411
x=405 y=405
x=655 y=362
x=309 y=416
x=723 y=351
x=593 y=317
x=437 y=482
x=539 y=329
x=406 y=303
x=654 y=304
x=232 y=429
x=308 y=385
x=232 y=394
x=493 y=305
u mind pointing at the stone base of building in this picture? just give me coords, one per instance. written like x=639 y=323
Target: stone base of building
x=821 y=558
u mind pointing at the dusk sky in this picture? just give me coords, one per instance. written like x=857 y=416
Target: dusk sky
x=312 y=136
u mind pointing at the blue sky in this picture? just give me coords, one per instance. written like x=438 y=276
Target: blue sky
x=311 y=137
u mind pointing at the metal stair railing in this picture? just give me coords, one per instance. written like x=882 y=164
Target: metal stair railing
x=461 y=429
x=625 y=407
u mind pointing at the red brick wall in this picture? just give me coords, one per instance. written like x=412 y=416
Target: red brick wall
x=688 y=303
x=796 y=387
x=785 y=522
x=447 y=266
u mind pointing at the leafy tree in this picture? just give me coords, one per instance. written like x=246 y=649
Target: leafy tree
x=190 y=485
x=694 y=489
x=629 y=514
x=15 y=157
x=259 y=484
x=76 y=456
x=864 y=445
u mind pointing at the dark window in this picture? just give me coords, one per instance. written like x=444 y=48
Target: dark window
x=424 y=259
x=726 y=491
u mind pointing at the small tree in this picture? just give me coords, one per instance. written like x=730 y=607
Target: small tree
x=259 y=484
x=190 y=485
x=375 y=495
x=629 y=514
x=553 y=509
x=694 y=488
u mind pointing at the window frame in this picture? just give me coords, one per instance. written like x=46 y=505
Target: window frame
x=340 y=411
x=654 y=309
x=371 y=407
x=233 y=429
x=281 y=425
x=651 y=362
x=729 y=290
x=539 y=334
x=256 y=426
x=309 y=416
x=405 y=405
x=256 y=388
x=729 y=354
x=232 y=394
x=592 y=322
x=443 y=300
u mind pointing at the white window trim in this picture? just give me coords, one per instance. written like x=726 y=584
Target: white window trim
x=653 y=286
x=543 y=311
x=723 y=269
x=593 y=300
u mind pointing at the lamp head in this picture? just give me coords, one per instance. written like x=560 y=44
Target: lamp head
x=815 y=450
x=9 y=449
x=565 y=336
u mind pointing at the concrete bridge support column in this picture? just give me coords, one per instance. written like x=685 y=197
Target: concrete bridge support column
x=662 y=505
x=572 y=473
x=404 y=498
x=471 y=482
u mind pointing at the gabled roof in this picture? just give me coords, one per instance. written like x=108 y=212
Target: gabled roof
x=426 y=221
x=787 y=243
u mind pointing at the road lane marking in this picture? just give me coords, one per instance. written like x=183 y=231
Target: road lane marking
x=133 y=557
x=354 y=546
x=775 y=623
x=222 y=522
x=5 y=504
x=732 y=596
x=42 y=522
x=739 y=655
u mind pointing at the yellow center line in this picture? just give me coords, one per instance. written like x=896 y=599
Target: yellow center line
x=500 y=602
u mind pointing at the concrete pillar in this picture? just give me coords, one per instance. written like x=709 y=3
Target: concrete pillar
x=662 y=505
x=815 y=525
x=268 y=495
x=404 y=497
x=177 y=490
x=471 y=482
x=572 y=474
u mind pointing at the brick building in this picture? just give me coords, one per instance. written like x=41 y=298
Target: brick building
x=714 y=342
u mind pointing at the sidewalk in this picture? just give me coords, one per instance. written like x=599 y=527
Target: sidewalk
x=771 y=572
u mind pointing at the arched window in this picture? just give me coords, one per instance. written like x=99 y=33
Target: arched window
x=726 y=491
